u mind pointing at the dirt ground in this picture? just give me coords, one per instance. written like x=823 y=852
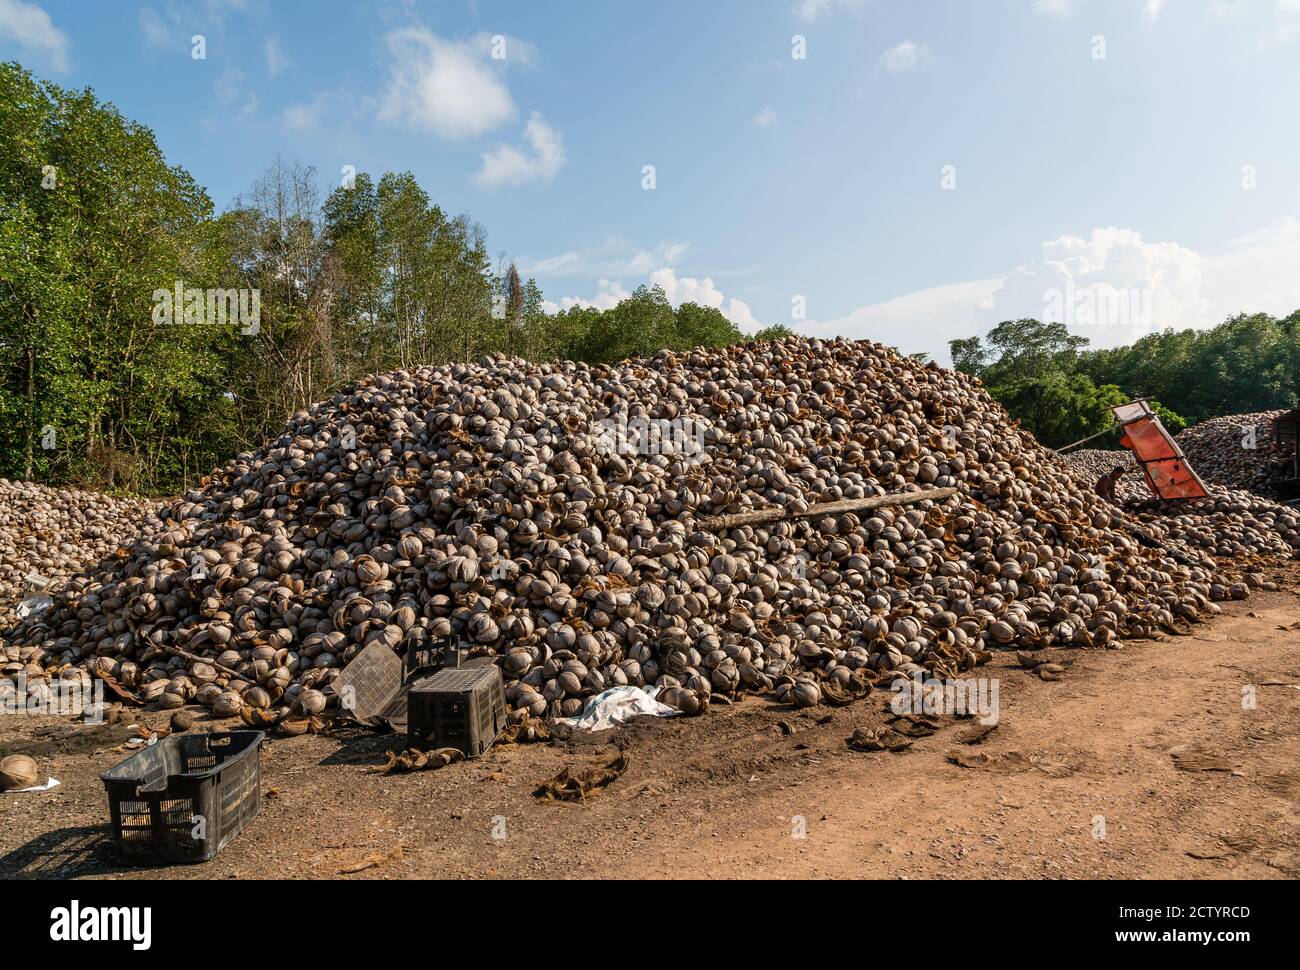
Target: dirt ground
x=1148 y=761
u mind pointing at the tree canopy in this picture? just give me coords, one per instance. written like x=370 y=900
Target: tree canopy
x=92 y=222
x=98 y=234
x=375 y=276
x=1048 y=378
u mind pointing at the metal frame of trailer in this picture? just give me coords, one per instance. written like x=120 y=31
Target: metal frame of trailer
x=1162 y=461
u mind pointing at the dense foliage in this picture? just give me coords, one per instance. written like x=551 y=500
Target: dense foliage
x=97 y=389
x=1061 y=391
x=95 y=225
x=92 y=220
x=1245 y=364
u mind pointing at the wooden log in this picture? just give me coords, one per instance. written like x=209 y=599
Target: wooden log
x=186 y=655
x=1074 y=444
x=779 y=512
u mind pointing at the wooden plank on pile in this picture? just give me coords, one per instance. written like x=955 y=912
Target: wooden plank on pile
x=777 y=513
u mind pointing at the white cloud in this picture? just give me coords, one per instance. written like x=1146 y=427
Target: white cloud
x=178 y=22
x=924 y=320
x=564 y=264
x=1055 y=8
x=611 y=259
x=31 y=27
x=766 y=119
x=233 y=95
x=507 y=165
x=447 y=88
x=677 y=289
x=666 y=253
x=304 y=116
x=276 y=61
x=905 y=57
x=1256 y=273
x=1283 y=17
x=608 y=294
x=1151 y=285
x=812 y=9
x=157 y=33
x=685 y=289
x=1286 y=24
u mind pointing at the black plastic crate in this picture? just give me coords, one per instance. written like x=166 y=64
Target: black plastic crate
x=421 y=662
x=461 y=708
x=367 y=685
x=157 y=795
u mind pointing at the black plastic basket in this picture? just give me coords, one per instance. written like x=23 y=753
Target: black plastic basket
x=158 y=796
x=420 y=662
x=457 y=708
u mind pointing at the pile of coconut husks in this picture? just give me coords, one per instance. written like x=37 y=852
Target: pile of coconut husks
x=585 y=526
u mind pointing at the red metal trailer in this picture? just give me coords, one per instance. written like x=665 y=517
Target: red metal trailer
x=1163 y=462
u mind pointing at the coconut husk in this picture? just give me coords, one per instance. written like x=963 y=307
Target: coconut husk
x=575 y=784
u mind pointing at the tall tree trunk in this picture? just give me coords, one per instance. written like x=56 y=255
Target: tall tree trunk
x=30 y=457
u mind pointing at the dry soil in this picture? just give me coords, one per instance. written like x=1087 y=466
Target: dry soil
x=1171 y=758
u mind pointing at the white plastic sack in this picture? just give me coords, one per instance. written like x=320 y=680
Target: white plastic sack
x=34 y=604
x=616 y=706
x=49 y=783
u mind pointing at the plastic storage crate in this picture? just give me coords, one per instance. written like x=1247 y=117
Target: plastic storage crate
x=367 y=685
x=157 y=796
x=422 y=662
x=462 y=708
x=426 y=661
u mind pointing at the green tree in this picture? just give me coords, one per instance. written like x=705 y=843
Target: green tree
x=1059 y=408
x=968 y=355
x=276 y=246
x=1030 y=348
x=777 y=331
x=699 y=326
x=93 y=221
x=514 y=298
x=351 y=238
x=1245 y=364
x=413 y=285
x=1173 y=423
x=639 y=325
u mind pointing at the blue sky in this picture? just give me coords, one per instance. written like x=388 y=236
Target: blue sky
x=927 y=169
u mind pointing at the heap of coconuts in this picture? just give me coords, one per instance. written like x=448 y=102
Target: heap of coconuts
x=1090 y=464
x=553 y=517
x=48 y=534
x=1238 y=451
